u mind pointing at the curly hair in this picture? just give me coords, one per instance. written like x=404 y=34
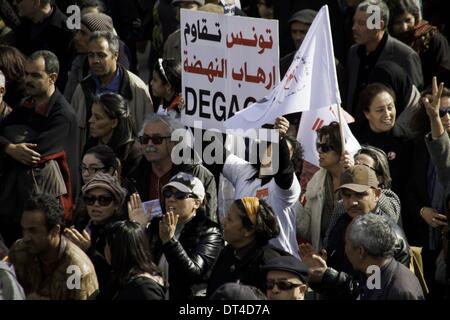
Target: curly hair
x=50 y=206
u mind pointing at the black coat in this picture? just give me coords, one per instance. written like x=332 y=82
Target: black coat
x=56 y=131
x=398 y=151
x=137 y=288
x=229 y=268
x=417 y=196
x=96 y=251
x=51 y=34
x=191 y=257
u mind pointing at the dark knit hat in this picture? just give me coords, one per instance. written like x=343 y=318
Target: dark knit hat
x=97 y=22
x=107 y=182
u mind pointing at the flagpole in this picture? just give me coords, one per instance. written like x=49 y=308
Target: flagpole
x=341 y=128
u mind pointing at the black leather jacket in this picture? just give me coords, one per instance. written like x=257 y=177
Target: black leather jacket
x=191 y=257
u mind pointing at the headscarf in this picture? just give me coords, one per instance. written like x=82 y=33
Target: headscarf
x=251 y=205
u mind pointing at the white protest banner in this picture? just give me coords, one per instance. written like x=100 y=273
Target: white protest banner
x=228 y=62
x=315 y=119
x=309 y=83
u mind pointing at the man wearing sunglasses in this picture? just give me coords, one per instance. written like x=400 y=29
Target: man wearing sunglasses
x=286 y=278
x=156 y=167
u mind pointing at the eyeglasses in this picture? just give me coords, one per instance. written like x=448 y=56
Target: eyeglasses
x=91 y=170
x=324 y=147
x=179 y=195
x=281 y=284
x=443 y=112
x=103 y=201
x=156 y=140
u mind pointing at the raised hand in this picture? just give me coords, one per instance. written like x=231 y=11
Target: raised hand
x=316 y=263
x=82 y=240
x=433 y=103
x=168 y=225
x=136 y=211
x=282 y=124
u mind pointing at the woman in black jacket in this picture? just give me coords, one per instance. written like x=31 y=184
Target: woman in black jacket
x=184 y=242
x=248 y=227
x=104 y=198
x=134 y=275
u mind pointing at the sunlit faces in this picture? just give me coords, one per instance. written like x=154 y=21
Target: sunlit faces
x=361 y=33
x=329 y=158
x=382 y=113
x=298 y=32
x=359 y=203
x=36 y=237
x=282 y=285
x=184 y=208
x=90 y=166
x=403 y=23
x=234 y=231
x=158 y=152
x=37 y=81
x=101 y=126
x=102 y=61
x=102 y=207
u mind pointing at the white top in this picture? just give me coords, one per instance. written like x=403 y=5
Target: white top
x=239 y=173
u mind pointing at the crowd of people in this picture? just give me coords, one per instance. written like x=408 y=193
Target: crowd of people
x=94 y=205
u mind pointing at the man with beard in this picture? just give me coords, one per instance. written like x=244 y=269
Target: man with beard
x=106 y=75
x=157 y=166
x=37 y=145
x=48 y=265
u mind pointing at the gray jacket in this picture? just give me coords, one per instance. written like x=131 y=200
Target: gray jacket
x=10 y=289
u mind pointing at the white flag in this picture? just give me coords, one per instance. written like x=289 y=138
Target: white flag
x=309 y=83
x=313 y=120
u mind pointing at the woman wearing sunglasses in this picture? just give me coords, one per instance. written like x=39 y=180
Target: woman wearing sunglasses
x=184 y=241
x=247 y=228
x=104 y=198
x=313 y=218
x=166 y=85
x=134 y=275
x=111 y=124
